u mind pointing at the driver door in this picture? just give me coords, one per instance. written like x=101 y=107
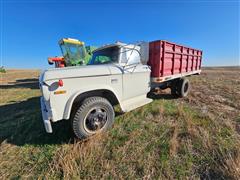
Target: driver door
x=136 y=76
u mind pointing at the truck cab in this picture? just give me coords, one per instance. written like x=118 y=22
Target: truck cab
x=127 y=69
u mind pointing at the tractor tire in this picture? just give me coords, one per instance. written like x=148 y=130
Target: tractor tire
x=95 y=115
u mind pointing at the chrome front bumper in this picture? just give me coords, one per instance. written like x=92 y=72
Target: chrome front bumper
x=45 y=117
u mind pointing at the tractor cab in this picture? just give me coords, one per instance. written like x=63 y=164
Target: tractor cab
x=73 y=51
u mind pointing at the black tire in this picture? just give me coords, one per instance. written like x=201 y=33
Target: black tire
x=175 y=88
x=180 y=87
x=184 y=87
x=95 y=114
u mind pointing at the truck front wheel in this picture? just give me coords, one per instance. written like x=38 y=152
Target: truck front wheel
x=94 y=115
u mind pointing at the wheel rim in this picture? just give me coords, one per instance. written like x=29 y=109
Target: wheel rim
x=95 y=120
x=185 y=89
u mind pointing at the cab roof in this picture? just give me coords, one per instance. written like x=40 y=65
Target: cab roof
x=71 y=41
x=119 y=44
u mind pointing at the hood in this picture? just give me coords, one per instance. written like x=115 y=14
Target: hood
x=75 y=72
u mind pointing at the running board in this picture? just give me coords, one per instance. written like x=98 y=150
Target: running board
x=134 y=103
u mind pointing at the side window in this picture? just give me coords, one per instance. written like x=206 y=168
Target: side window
x=81 y=51
x=63 y=48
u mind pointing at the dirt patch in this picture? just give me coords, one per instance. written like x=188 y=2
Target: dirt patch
x=217 y=91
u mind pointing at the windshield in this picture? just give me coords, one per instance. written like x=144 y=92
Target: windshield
x=105 y=56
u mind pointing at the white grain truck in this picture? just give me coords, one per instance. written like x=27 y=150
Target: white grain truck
x=117 y=74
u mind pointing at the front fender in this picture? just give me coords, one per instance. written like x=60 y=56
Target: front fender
x=68 y=107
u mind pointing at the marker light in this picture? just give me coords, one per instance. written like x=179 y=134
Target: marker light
x=60 y=83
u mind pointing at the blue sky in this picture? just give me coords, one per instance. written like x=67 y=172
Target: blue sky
x=30 y=30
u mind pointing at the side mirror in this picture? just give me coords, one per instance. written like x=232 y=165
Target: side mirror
x=50 y=62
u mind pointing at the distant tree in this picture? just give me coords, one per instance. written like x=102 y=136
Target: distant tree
x=2 y=70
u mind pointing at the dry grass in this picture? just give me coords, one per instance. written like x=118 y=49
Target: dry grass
x=190 y=138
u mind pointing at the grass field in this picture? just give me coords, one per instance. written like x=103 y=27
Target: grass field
x=190 y=138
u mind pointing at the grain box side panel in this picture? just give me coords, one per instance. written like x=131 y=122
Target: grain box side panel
x=168 y=59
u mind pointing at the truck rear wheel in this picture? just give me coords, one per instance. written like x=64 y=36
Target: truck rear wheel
x=175 y=87
x=184 y=87
x=95 y=114
x=180 y=88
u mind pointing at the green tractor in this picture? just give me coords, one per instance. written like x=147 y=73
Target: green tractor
x=74 y=52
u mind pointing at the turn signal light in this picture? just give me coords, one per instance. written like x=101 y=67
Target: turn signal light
x=60 y=83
